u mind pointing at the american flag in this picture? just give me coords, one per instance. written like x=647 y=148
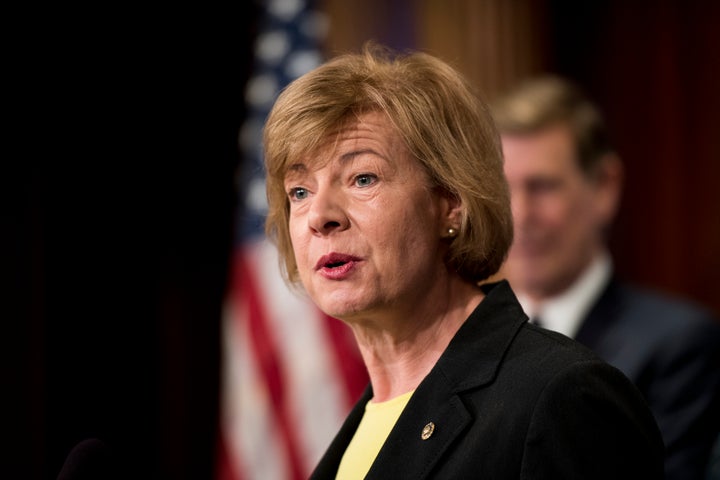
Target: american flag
x=290 y=373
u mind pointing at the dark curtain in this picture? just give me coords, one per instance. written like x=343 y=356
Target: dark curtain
x=120 y=233
x=651 y=67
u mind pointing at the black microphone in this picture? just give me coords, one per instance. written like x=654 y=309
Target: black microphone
x=90 y=459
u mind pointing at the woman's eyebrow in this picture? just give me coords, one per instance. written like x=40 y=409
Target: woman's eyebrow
x=296 y=168
x=349 y=156
x=295 y=171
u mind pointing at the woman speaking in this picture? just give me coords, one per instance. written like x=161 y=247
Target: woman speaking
x=389 y=207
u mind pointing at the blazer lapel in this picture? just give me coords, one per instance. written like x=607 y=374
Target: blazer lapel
x=421 y=437
x=470 y=361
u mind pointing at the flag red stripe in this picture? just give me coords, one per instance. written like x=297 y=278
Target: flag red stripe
x=352 y=370
x=267 y=354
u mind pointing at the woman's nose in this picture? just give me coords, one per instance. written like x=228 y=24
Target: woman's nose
x=327 y=213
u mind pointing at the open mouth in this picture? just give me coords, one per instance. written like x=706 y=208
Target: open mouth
x=334 y=261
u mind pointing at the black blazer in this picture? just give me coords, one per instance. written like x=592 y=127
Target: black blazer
x=671 y=351
x=510 y=400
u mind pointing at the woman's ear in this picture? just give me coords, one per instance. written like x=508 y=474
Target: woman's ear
x=452 y=209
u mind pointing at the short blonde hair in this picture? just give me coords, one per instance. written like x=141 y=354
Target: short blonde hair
x=445 y=126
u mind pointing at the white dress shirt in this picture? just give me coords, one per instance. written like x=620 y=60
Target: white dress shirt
x=565 y=312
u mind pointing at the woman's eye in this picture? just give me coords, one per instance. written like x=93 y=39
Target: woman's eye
x=297 y=193
x=365 y=180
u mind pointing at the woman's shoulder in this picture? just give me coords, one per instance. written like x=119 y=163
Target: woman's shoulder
x=549 y=371
x=550 y=348
x=545 y=358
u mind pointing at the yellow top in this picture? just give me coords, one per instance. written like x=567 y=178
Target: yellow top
x=370 y=436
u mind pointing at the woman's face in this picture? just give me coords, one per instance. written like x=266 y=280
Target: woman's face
x=366 y=227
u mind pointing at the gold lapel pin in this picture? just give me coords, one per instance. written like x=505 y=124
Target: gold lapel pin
x=427 y=431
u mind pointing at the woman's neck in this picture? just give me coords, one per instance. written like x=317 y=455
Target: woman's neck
x=399 y=352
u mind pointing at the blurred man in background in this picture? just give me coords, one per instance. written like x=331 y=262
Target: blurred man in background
x=565 y=182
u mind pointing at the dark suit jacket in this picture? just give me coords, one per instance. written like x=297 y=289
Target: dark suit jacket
x=671 y=351
x=510 y=400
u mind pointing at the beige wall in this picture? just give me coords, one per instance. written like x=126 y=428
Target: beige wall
x=493 y=42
